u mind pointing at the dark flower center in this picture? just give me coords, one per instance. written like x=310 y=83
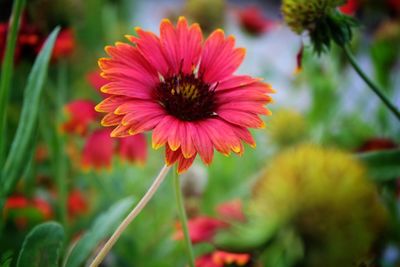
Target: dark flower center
x=186 y=97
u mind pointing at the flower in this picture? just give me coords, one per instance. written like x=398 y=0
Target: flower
x=220 y=258
x=325 y=198
x=183 y=90
x=201 y=229
x=64 y=45
x=80 y=114
x=133 y=148
x=350 y=7
x=253 y=21
x=320 y=19
x=77 y=203
x=95 y=80
x=231 y=210
x=281 y=121
x=98 y=150
x=23 y=211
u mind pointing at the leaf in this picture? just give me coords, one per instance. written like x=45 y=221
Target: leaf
x=382 y=165
x=13 y=168
x=103 y=227
x=41 y=247
x=6 y=259
x=7 y=71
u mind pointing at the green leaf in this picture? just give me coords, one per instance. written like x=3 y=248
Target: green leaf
x=102 y=228
x=6 y=259
x=7 y=71
x=42 y=246
x=13 y=168
x=382 y=165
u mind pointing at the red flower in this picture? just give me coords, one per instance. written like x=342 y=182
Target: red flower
x=98 y=150
x=133 y=148
x=23 y=210
x=81 y=113
x=77 y=203
x=253 y=21
x=231 y=210
x=64 y=45
x=183 y=90
x=206 y=261
x=351 y=7
x=201 y=229
x=375 y=144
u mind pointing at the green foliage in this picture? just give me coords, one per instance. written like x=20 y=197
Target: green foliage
x=42 y=246
x=22 y=142
x=102 y=227
x=382 y=165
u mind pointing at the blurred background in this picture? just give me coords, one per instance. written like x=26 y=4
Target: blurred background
x=305 y=196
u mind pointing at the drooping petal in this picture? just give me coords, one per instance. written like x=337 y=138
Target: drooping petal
x=185 y=163
x=219 y=58
x=201 y=142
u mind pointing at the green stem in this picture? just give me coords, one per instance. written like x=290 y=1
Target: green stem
x=7 y=71
x=183 y=218
x=374 y=87
x=60 y=160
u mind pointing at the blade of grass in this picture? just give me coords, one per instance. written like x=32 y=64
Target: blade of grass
x=16 y=158
x=7 y=70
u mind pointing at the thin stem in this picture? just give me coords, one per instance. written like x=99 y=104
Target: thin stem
x=374 y=87
x=7 y=71
x=132 y=215
x=183 y=218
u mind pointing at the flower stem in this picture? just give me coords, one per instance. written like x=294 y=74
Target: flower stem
x=374 y=87
x=183 y=218
x=132 y=215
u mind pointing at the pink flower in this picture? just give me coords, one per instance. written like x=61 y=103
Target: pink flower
x=133 y=148
x=253 y=21
x=231 y=210
x=80 y=114
x=98 y=150
x=201 y=229
x=184 y=90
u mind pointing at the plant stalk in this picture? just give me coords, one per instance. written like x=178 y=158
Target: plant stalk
x=183 y=218
x=131 y=216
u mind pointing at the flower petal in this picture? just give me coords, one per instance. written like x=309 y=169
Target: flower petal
x=219 y=58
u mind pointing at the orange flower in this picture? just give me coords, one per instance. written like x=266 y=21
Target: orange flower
x=80 y=114
x=184 y=90
x=221 y=258
x=98 y=150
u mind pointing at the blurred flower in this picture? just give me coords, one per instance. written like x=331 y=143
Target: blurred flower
x=28 y=40
x=221 y=258
x=351 y=7
x=210 y=14
x=77 y=203
x=95 y=80
x=231 y=210
x=23 y=211
x=81 y=114
x=201 y=229
x=320 y=19
x=98 y=150
x=283 y=120
x=184 y=91
x=133 y=148
x=375 y=144
x=253 y=21
x=326 y=198
x=64 y=45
